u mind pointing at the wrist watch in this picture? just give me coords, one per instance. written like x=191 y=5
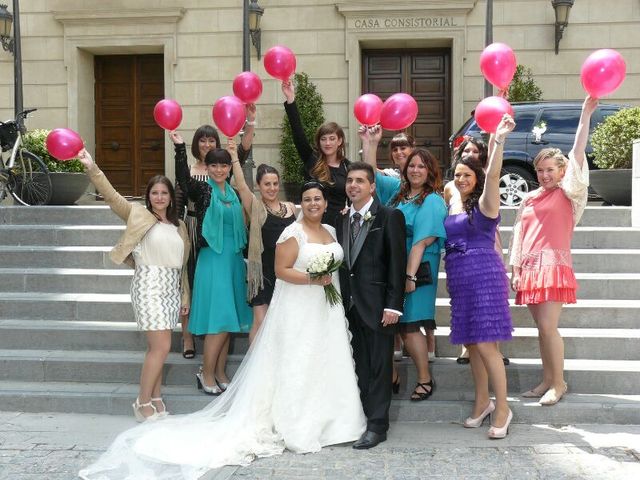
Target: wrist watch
x=413 y=278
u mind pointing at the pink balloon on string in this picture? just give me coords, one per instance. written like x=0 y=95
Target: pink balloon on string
x=490 y=111
x=247 y=86
x=229 y=115
x=498 y=64
x=603 y=72
x=280 y=62
x=168 y=114
x=367 y=109
x=64 y=143
x=398 y=112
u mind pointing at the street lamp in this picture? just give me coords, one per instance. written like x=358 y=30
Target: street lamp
x=13 y=45
x=255 y=15
x=562 y=9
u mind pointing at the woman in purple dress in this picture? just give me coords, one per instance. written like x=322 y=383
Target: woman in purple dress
x=478 y=284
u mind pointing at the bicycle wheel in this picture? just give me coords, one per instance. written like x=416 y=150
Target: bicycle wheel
x=29 y=181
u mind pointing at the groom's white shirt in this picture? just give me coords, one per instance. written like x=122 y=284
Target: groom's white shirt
x=362 y=213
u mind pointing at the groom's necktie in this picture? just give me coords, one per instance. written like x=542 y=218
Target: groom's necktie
x=355 y=226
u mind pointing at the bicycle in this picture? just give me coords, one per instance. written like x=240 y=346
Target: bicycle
x=24 y=175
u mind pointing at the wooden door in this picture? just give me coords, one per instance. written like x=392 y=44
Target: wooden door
x=424 y=74
x=129 y=145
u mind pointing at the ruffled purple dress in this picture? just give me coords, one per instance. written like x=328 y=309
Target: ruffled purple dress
x=477 y=280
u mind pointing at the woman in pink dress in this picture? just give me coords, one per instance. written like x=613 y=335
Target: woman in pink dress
x=540 y=253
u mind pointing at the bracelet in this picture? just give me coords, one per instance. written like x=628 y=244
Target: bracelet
x=251 y=124
x=498 y=141
x=412 y=278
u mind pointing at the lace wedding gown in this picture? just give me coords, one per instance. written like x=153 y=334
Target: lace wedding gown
x=296 y=389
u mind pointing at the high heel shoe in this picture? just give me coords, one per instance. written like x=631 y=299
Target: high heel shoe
x=395 y=386
x=552 y=396
x=191 y=352
x=496 y=433
x=223 y=385
x=477 y=422
x=214 y=390
x=164 y=413
x=138 y=414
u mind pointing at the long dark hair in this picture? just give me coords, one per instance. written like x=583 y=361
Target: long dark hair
x=483 y=155
x=320 y=170
x=203 y=131
x=172 y=211
x=431 y=185
x=263 y=169
x=474 y=197
x=401 y=140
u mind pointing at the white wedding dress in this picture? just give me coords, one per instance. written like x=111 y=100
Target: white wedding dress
x=296 y=389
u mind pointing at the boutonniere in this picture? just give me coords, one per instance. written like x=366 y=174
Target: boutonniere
x=368 y=216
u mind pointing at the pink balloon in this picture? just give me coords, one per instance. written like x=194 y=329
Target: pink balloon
x=247 y=86
x=168 y=114
x=498 y=64
x=367 y=109
x=229 y=115
x=280 y=62
x=490 y=111
x=602 y=72
x=398 y=112
x=64 y=143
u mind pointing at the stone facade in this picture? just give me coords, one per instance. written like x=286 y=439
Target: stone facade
x=202 y=47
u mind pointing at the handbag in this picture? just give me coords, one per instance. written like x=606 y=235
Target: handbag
x=423 y=275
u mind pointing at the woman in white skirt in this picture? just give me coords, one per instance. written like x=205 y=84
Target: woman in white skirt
x=155 y=243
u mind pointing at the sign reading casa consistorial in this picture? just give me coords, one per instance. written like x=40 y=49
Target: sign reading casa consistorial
x=386 y=23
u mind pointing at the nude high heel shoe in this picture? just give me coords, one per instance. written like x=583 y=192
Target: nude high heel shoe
x=496 y=433
x=477 y=422
x=137 y=406
x=164 y=413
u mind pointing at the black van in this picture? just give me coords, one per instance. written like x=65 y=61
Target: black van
x=538 y=125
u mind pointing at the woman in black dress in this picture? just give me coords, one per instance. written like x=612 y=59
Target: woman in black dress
x=268 y=217
x=327 y=162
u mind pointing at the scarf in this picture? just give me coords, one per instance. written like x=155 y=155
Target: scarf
x=254 y=260
x=213 y=224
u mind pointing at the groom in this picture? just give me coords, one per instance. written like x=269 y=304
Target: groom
x=372 y=280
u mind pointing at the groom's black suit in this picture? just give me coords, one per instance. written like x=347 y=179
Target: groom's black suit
x=372 y=278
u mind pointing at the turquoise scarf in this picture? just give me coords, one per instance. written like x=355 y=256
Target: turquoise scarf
x=213 y=225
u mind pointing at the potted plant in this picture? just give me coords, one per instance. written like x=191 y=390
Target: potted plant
x=68 y=180
x=612 y=143
x=309 y=103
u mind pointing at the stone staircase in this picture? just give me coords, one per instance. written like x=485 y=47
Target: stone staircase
x=68 y=341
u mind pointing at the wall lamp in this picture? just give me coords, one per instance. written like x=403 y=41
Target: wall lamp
x=562 y=9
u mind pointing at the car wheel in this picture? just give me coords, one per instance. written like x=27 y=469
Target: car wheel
x=515 y=183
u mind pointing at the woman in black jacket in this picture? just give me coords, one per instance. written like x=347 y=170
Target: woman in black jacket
x=327 y=162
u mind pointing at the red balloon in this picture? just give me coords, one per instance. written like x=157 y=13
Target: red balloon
x=168 y=114
x=64 y=143
x=398 y=112
x=247 y=86
x=367 y=109
x=498 y=64
x=602 y=72
x=280 y=62
x=490 y=111
x=229 y=115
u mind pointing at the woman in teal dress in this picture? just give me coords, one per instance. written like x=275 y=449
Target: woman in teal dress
x=418 y=197
x=219 y=304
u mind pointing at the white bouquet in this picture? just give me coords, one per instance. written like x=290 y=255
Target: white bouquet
x=322 y=264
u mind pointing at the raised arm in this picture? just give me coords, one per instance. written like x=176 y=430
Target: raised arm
x=116 y=202
x=246 y=195
x=183 y=176
x=489 y=203
x=370 y=138
x=249 y=130
x=299 y=137
x=582 y=133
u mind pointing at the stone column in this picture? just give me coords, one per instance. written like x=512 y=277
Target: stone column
x=635 y=185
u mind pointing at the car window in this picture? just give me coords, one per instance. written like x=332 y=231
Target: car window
x=604 y=113
x=561 y=121
x=524 y=120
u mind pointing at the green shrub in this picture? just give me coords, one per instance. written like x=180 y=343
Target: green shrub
x=523 y=87
x=34 y=141
x=309 y=103
x=612 y=140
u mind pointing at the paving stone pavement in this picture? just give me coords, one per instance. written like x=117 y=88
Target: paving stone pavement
x=54 y=446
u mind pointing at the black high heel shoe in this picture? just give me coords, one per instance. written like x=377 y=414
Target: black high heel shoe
x=395 y=386
x=190 y=353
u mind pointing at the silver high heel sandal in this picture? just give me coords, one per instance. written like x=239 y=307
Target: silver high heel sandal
x=477 y=422
x=495 y=433
x=213 y=390
x=138 y=414
x=164 y=413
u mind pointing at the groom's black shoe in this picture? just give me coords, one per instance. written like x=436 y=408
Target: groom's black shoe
x=369 y=439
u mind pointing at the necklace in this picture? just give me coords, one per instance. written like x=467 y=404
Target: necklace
x=409 y=199
x=282 y=212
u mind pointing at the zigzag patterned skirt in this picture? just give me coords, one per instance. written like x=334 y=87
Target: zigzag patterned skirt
x=155 y=295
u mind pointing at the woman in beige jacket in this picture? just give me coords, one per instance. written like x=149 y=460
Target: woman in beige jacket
x=155 y=243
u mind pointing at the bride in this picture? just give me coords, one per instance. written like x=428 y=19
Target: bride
x=296 y=388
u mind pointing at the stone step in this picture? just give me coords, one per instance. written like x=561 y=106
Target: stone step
x=593 y=237
x=594 y=216
x=619 y=377
x=93 y=307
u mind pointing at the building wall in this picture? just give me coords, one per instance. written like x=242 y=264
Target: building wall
x=202 y=43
